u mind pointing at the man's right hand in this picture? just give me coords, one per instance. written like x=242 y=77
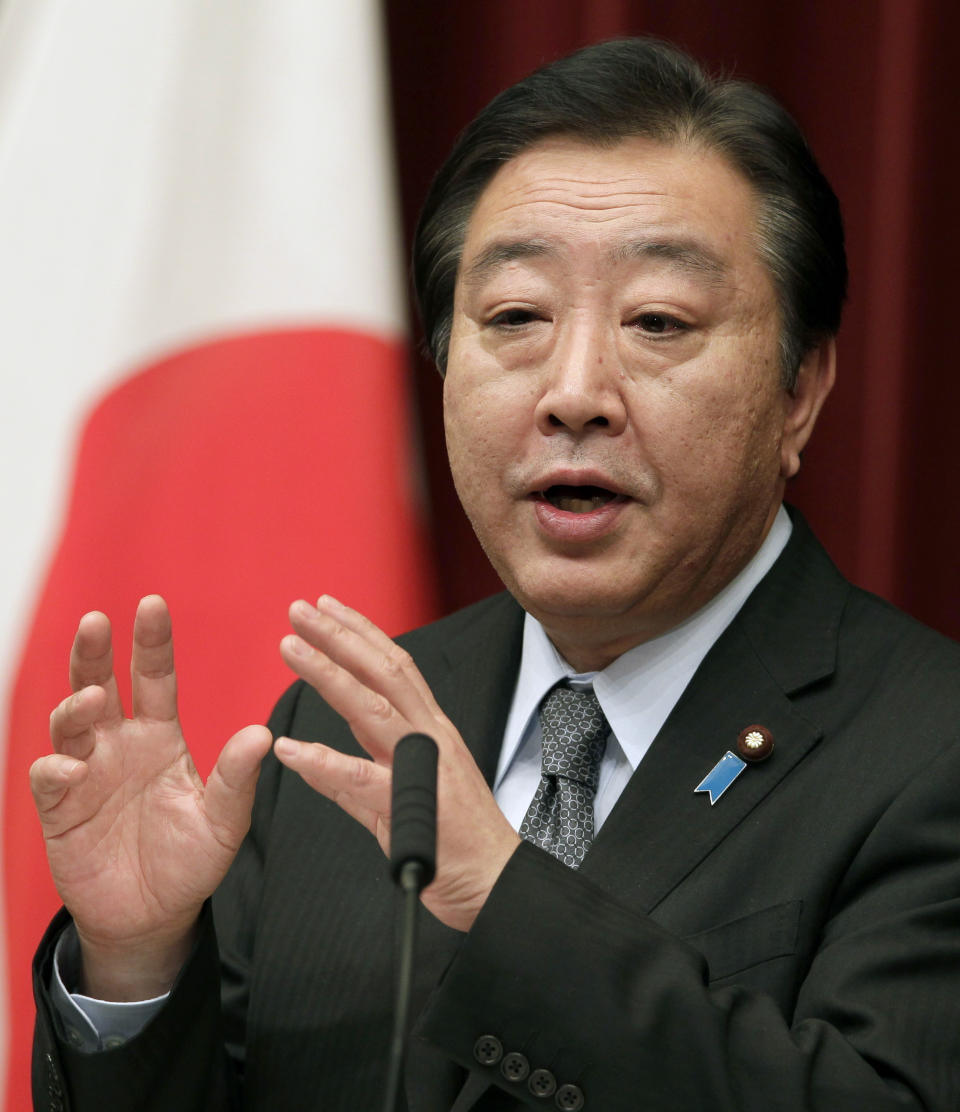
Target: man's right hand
x=134 y=839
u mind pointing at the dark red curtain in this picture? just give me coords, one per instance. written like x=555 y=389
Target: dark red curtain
x=873 y=83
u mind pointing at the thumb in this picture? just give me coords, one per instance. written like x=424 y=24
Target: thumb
x=228 y=798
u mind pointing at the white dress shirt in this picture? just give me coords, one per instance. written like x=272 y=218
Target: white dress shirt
x=637 y=692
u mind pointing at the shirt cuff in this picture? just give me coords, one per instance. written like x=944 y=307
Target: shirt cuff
x=89 y=1024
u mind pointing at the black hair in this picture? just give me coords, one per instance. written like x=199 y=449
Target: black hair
x=616 y=90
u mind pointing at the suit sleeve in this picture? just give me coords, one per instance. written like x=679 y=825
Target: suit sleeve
x=177 y=1061
x=190 y=1056
x=609 y=1011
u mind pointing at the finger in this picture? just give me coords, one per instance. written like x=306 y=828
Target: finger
x=355 y=643
x=376 y=723
x=51 y=777
x=398 y=661
x=359 y=787
x=91 y=661
x=228 y=798
x=151 y=664
x=72 y=722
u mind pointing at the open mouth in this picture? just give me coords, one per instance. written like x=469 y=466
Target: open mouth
x=578 y=499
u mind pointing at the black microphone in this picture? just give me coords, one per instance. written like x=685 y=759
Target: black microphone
x=413 y=862
x=413 y=812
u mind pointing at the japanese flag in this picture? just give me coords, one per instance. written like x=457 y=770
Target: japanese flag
x=202 y=330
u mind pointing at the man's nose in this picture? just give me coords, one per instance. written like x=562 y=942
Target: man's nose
x=582 y=388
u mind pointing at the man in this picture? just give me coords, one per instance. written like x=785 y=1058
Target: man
x=631 y=276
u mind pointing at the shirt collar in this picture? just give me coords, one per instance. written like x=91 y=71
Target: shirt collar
x=639 y=689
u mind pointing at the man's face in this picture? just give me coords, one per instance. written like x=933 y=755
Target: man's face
x=615 y=419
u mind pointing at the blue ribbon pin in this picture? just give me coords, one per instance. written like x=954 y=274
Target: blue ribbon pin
x=721 y=776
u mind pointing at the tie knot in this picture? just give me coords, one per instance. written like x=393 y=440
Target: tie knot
x=574 y=735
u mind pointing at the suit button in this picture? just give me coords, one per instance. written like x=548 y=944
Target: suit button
x=569 y=1098
x=542 y=1083
x=514 y=1066
x=488 y=1050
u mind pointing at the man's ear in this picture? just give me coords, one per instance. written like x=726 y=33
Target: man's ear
x=815 y=379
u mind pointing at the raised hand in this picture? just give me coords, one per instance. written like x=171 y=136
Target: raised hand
x=134 y=839
x=378 y=689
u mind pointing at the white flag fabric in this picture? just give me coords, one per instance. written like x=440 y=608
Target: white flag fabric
x=202 y=330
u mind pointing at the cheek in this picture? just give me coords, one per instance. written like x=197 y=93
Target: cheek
x=467 y=414
x=473 y=425
x=487 y=411
x=717 y=430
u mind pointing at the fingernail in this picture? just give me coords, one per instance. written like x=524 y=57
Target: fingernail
x=285 y=747
x=302 y=607
x=297 y=645
x=328 y=602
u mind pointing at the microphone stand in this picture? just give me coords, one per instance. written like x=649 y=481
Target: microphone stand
x=413 y=844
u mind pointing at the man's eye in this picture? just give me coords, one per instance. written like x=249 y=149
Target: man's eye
x=659 y=324
x=513 y=318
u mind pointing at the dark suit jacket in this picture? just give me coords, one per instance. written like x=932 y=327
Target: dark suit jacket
x=794 y=947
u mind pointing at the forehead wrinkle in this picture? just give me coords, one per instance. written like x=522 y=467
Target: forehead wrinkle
x=578 y=193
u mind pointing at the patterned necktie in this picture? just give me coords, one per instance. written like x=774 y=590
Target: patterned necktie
x=560 y=818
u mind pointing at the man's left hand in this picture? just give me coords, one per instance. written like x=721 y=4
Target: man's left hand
x=377 y=688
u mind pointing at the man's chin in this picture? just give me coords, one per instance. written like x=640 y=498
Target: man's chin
x=577 y=605
x=610 y=612
x=591 y=630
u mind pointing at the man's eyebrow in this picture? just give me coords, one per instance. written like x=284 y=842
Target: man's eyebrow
x=682 y=255
x=501 y=252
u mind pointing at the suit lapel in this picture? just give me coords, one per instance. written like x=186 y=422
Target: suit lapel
x=660 y=829
x=483 y=662
x=783 y=640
